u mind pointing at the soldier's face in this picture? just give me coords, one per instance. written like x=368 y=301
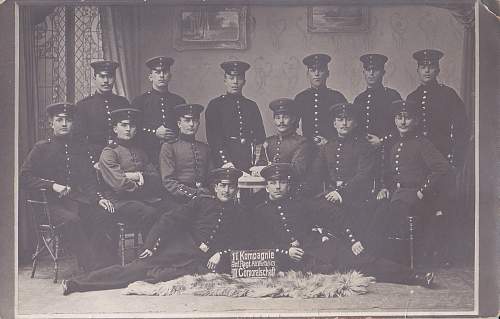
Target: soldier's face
x=104 y=82
x=427 y=72
x=405 y=122
x=61 y=124
x=284 y=122
x=344 y=125
x=225 y=190
x=373 y=76
x=234 y=83
x=160 y=78
x=278 y=189
x=188 y=125
x=125 y=130
x=317 y=76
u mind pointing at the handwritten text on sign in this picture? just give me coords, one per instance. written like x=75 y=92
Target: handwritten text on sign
x=253 y=263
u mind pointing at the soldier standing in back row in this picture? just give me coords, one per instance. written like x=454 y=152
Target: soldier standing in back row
x=375 y=102
x=314 y=102
x=234 y=123
x=159 y=123
x=93 y=113
x=444 y=123
x=444 y=120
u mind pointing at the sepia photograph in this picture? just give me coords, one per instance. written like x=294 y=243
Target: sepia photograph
x=247 y=159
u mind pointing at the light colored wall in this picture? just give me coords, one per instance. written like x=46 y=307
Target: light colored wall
x=278 y=40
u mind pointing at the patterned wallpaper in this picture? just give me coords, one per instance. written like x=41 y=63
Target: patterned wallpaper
x=278 y=40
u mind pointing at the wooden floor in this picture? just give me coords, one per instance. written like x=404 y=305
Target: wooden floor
x=454 y=292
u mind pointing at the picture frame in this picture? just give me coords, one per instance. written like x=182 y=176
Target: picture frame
x=210 y=27
x=337 y=19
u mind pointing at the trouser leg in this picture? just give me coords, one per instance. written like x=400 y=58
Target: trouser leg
x=139 y=214
x=113 y=277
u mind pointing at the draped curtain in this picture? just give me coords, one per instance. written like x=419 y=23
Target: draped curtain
x=29 y=17
x=121 y=43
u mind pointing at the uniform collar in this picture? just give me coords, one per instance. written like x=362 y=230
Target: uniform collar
x=105 y=95
x=125 y=143
x=430 y=85
x=167 y=92
x=377 y=88
x=320 y=89
x=287 y=133
x=187 y=138
x=62 y=138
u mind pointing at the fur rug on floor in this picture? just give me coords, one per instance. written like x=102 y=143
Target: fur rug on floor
x=289 y=284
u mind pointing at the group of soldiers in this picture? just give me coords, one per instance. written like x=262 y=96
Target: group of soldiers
x=334 y=196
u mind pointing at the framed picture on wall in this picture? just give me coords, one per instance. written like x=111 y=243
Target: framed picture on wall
x=337 y=19
x=210 y=27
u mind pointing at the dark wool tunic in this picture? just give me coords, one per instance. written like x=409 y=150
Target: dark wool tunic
x=93 y=118
x=157 y=109
x=233 y=124
x=314 y=111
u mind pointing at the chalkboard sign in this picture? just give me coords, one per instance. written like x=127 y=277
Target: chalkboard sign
x=261 y=263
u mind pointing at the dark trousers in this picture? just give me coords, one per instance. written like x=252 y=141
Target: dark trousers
x=117 y=276
x=87 y=231
x=137 y=214
x=335 y=255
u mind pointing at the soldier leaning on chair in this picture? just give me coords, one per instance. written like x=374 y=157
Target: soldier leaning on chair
x=195 y=238
x=157 y=106
x=62 y=166
x=93 y=113
x=412 y=174
x=133 y=182
x=185 y=162
x=286 y=224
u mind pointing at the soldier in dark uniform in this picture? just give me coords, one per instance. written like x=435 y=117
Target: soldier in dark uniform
x=159 y=122
x=63 y=167
x=133 y=181
x=375 y=102
x=196 y=238
x=286 y=224
x=411 y=176
x=234 y=123
x=345 y=164
x=185 y=162
x=314 y=103
x=287 y=146
x=444 y=120
x=93 y=113
x=444 y=123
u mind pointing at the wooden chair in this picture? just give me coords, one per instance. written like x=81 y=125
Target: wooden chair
x=48 y=234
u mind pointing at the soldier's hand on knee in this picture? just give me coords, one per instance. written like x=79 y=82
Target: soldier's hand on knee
x=213 y=261
x=295 y=253
x=107 y=205
x=333 y=196
x=228 y=165
x=383 y=194
x=357 y=248
x=420 y=195
x=146 y=253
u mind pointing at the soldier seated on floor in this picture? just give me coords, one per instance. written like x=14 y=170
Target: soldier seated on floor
x=411 y=178
x=196 y=238
x=286 y=224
